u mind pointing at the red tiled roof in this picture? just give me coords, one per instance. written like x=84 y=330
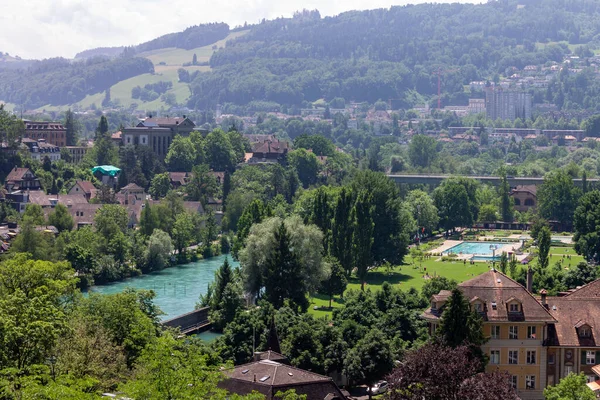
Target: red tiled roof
x=86 y=186
x=526 y=188
x=271 y=147
x=16 y=174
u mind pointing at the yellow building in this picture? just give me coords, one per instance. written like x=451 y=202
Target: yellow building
x=516 y=324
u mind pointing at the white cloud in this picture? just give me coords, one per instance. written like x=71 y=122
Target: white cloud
x=50 y=28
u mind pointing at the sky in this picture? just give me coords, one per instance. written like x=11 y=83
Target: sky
x=51 y=28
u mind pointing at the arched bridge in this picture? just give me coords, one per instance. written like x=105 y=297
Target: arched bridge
x=436 y=180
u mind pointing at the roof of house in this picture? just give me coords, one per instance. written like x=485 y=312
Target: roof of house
x=45 y=125
x=16 y=174
x=268 y=377
x=168 y=121
x=86 y=186
x=589 y=291
x=495 y=290
x=83 y=213
x=132 y=186
x=116 y=135
x=179 y=177
x=193 y=206
x=571 y=314
x=525 y=188
x=271 y=147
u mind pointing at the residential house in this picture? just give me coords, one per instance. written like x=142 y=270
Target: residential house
x=21 y=179
x=86 y=188
x=179 y=179
x=515 y=322
x=52 y=132
x=133 y=190
x=39 y=149
x=524 y=197
x=270 y=151
x=83 y=214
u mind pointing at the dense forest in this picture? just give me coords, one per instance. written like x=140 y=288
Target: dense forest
x=59 y=81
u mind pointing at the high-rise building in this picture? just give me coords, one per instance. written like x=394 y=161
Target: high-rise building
x=507 y=104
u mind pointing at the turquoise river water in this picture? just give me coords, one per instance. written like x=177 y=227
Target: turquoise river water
x=177 y=289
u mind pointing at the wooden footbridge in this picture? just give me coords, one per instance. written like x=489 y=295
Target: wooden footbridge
x=190 y=323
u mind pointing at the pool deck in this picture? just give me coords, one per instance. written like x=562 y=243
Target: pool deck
x=448 y=244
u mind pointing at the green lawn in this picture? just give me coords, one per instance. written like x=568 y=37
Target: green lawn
x=562 y=250
x=405 y=277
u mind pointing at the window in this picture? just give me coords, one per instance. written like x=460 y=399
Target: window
x=590 y=357
x=495 y=331
x=530 y=356
x=513 y=332
x=513 y=381
x=494 y=356
x=591 y=378
x=513 y=356
x=530 y=382
x=494 y=306
x=551 y=358
x=531 y=332
x=585 y=331
x=514 y=307
x=568 y=369
x=529 y=203
x=517 y=202
x=478 y=307
x=433 y=306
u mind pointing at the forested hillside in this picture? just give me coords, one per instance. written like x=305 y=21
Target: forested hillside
x=60 y=81
x=383 y=53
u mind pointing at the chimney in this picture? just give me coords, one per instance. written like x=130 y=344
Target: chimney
x=529 y=279
x=254 y=380
x=544 y=293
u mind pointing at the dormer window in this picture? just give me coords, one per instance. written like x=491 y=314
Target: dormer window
x=478 y=307
x=584 y=331
x=433 y=305
x=514 y=307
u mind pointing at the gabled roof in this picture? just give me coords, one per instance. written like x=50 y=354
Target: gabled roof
x=589 y=291
x=271 y=147
x=87 y=187
x=269 y=377
x=525 y=188
x=132 y=186
x=495 y=287
x=572 y=313
x=166 y=122
x=16 y=174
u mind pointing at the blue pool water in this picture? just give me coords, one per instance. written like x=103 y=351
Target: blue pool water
x=177 y=289
x=479 y=248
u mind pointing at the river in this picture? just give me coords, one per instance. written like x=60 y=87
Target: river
x=177 y=289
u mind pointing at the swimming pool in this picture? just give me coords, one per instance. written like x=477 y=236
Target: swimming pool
x=478 y=248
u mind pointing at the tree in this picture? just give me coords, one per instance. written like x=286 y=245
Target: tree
x=503 y=262
x=435 y=285
x=305 y=252
x=423 y=210
x=544 y=241
x=34 y=214
x=102 y=128
x=181 y=156
x=160 y=185
x=307 y=165
x=320 y=145
x=591 y=126
x=571 y=387
x=336 y=282
x=224 y=297
x=110 y=219
x=341 y=230
x=506 y=203
x=418 y=375
x=38 y=244
x=282 y=278
x=459 y=325
x=557 y=197
x=226 y=188
x=456 y=201
x=202 y=184
x=220 y=152
x=159 y=250
x=422 y=151
x=580 y=275
x=362 y=238
x=60 y=218
x=194 y=59
x=586 y=223
x=183 y=232
x=32 y=311
x=72 y=126
x=370 y=359
x=149 y=220
x=488 y=213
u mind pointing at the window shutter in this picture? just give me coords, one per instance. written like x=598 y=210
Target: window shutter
x=583 y=362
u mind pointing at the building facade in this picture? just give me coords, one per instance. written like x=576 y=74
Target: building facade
x=52 y=132
x=507 y=104
x=524 y=197
x=77 y=153
x=157 y=133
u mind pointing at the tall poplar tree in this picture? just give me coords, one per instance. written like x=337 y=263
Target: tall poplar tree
x=341 y=230
x=72 y=127
x=544 y=241
x=459 y=325
x=362 y=238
